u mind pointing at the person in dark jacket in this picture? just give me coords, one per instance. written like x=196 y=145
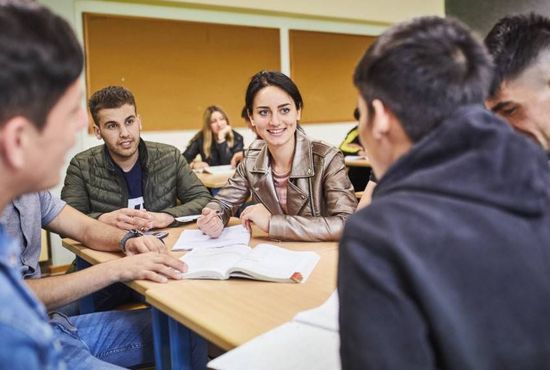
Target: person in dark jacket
x=130 y=183
x=217 y=143
x=520 y=93
x=448 y=267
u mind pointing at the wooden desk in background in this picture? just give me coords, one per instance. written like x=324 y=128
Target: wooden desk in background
x=356 y=161
x=214 y=181
x=226 y=313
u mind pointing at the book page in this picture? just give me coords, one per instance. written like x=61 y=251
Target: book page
x=213 y=263
x=325 y=316
x=272 y=263
x=292 y=345
x=232 y=235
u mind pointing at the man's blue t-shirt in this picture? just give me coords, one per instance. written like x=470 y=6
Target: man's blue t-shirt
x=135 y=186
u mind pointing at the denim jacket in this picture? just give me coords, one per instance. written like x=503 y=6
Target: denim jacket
x=27 y=341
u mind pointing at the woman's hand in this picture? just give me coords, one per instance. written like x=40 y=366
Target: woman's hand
x=222 y=134
x=257 y=214
x=237 y=158
x=198 y=165
x=210 y=223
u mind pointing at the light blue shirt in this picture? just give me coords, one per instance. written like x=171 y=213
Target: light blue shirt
x=27 y=341
x=23 y=218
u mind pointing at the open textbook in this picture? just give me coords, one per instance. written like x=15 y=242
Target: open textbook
x=194 y=239
x=263 y=262
x=310 y=341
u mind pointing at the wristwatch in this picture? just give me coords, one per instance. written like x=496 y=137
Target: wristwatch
x=129 y=235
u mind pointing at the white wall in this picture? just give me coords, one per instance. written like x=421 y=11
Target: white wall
x=342 y=16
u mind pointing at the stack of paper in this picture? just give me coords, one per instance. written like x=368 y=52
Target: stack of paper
x=310 y=341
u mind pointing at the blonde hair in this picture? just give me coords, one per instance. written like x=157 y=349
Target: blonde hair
x=207 y=130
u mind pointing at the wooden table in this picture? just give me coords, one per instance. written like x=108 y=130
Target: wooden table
x=231 y=312
x=227 y=313
x=94 y=257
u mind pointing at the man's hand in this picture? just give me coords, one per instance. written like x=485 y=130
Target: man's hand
x=161 y=220
x=210 y=223
x=152 y=266
x=144 y=244
x=257 y=214
x=128 y=219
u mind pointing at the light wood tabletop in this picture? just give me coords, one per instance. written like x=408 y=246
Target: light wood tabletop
x=231 y=312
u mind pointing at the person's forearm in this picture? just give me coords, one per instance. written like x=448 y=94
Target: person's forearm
x=100 y=236
x=57 y=291
x=90 y=232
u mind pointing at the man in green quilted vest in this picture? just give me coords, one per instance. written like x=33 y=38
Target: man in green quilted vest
x=128 y=182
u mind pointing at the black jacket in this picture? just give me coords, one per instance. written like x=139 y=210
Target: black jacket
x=221 y=154
x=449 y=267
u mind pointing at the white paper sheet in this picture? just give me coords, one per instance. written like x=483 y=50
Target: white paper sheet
x=231 y=235
x=215 y=170
x=310 y=341
x=291 y=346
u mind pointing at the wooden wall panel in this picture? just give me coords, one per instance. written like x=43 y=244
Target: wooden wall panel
x=322 y=66
x=177 y=68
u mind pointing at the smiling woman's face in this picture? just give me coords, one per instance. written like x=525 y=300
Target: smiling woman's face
x=275 y=116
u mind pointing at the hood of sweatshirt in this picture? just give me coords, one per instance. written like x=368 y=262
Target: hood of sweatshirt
x=474 y=156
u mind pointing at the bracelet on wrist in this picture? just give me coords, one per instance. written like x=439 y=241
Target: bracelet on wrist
x=129 y=235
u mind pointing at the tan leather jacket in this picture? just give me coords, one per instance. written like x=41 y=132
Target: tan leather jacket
x=320 y=196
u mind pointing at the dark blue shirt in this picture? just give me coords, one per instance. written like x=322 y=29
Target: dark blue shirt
x=134 y=183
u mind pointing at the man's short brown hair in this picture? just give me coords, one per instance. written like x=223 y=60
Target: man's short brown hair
x=109 y=97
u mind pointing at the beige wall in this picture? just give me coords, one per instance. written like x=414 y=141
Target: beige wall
x=385 y=11
x=369 y=11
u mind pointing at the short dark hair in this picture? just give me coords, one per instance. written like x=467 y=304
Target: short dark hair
x=110 y=97
x=270 y=78
x=40 y=58
x=515 y=42
x=423 y=70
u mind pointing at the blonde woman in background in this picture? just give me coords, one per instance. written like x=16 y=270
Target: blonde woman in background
x=217 y=143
